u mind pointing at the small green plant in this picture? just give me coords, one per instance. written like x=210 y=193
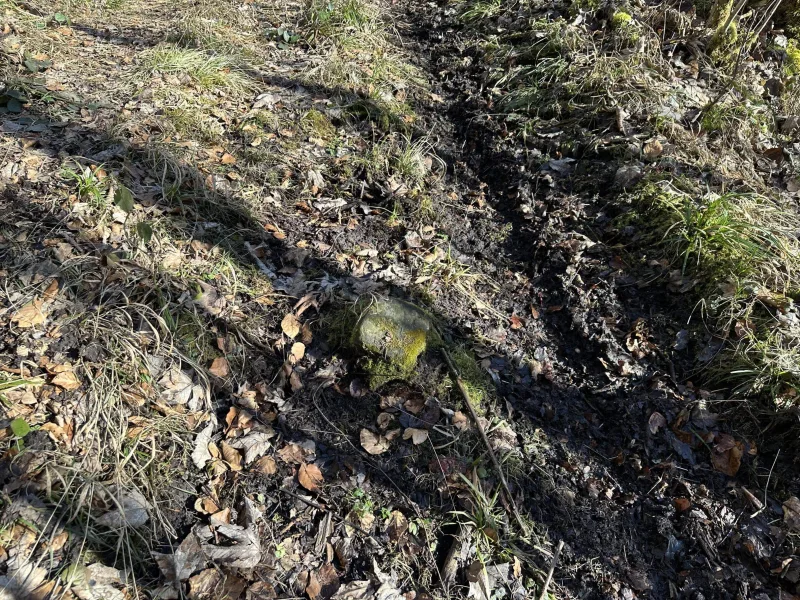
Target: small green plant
x=90 y=188
x=361 y=503
x=285 y=37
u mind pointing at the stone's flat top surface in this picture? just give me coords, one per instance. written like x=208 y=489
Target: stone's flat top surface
x=395 y=330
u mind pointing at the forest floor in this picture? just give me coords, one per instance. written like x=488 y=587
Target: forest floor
x=200 y=198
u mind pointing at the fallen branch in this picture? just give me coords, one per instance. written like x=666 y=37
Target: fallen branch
x=543 y=595
x=485 y=439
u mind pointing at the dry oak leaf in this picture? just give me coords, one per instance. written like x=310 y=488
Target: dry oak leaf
x=417 y=436
x=220 y=367
x=67 y=380
x=30 y=315
x=310 y=477
x=232 y=456
x=373 y=443
x=254 y=444
x=290 y=325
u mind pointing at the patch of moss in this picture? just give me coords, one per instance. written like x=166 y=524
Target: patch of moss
x=316 y=124
x=792 y=64
x=477 y=383
x=723 y=45
x=621 y=20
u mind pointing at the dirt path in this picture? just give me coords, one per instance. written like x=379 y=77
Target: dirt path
x=195 y=197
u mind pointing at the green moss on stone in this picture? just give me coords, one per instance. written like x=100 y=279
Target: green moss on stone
x=316 y=124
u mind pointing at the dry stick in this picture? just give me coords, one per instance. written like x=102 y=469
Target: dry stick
x=485 y=439
x=543 y=595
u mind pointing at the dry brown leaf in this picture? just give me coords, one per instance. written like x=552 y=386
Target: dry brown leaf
x=222 y=517
x=290 y=325
x=373 y=443
x=266 y=465
x=228 y=159
x=292 y=454
x=460 y=421
x=206 y=505
x=232 y=456
x=791 y=513
x=298 y=351
x=30 y=315
x=220 y=367
x=727 y=455
x=314 y=587
x=398 y=525
x=384 y=419
x=310 y=477
x=67 y=380
x=417 y=436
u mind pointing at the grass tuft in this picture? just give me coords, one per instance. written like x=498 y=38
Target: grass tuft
x=204 y=69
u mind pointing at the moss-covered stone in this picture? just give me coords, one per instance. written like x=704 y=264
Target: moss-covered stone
x=316 y=124
x=393 y=334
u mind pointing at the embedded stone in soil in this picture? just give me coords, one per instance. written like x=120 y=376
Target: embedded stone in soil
x=393 y=334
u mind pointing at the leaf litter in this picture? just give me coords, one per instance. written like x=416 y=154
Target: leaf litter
x=185 y=311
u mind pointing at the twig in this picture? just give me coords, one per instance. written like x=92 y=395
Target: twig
x=485 y=439
x=543 y=595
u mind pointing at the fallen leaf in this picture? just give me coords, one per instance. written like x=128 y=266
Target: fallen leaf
x=310 y=477
x=398 y=525
x=254 y=444
x=791 y=513
x=67 y=380
x=206 y=505
x=682 y=504
x=30 y=315
x=373 y=443
x=232 y=456
x=726 y=457
x=417 y=436
x=656 y=422
x=228 y=159
x=200 y=454
x=460 y=421
x=290 y=325
x=266 y=465
x=298 y=351
x=133 y=510
x=220 y=367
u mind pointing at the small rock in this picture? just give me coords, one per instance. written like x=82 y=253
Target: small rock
x=394 y=333
x=790 y=125
x=774 y=87
x=627 y=176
